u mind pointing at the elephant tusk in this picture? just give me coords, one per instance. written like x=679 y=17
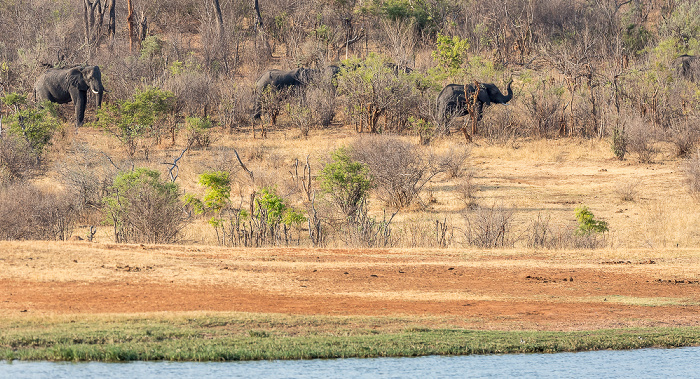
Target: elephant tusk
x=95 y=92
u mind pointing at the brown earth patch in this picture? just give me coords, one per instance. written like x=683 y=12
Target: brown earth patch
x=557 y=290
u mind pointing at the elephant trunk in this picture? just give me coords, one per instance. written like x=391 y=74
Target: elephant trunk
x=509 y=96
x=99 y=97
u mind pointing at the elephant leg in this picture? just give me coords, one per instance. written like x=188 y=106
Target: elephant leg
x=79 y=100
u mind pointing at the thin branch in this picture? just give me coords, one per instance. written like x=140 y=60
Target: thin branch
x=110 y=161
x=243 y=166
x=174 y=164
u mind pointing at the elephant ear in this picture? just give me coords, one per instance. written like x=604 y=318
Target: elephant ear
x=91 y=72
x=76 y=80
x=484 y=96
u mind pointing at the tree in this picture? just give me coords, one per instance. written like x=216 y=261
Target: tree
x=142 y=117
x=373 y=89
x=35 y=125
x=143 y=208
x=347 y=182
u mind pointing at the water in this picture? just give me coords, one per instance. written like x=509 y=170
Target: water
x=644 y=363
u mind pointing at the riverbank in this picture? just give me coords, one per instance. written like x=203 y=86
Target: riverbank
x=245 y=336
x=114 y=302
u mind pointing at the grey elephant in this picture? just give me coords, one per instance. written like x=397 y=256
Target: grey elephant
x=278 y=80
x=453 y=101
x=70 y=84
x=688 y=66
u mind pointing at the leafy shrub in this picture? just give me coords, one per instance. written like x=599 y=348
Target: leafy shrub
x=346 y=181
x=35 y=125
x=198 y=131
x=143 y=117
x=373 y=90
x=143 y=208
x=587 y=224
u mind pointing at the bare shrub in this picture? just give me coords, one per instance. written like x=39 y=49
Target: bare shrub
x=365 y=230
x=692 y=174
x=18 y=160
x=452 y=161
x=301 y=117
x=545 y=111
x=320 y=99
x=86 y=174
x=426 y=233
x=542 y=233
x=501 y=124
x=466 y=189
x=640 y=139
x=489 y=227
x=627 y=191
x=399 y=168
x=684 y=135
x=236 y=106
x=195 y=91
x=28 y=213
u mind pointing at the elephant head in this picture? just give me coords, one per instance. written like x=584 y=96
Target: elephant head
x=70 y=84
x=93 y=78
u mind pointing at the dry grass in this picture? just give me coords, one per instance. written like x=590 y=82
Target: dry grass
x=543 y=177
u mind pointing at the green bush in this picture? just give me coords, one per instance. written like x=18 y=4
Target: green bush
x=143 y=208
x=587 y=224
x=132 y=121
x=35 y=124
x=347 y=182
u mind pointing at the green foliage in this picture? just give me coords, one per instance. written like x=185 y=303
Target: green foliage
x=372 y=89
x=14 y=99
x=35 y=125
x=424 y=129
x=587 y=224
x=274 y=209
x=425 y=14
x=450 y=53
x=142 y=207
x=131 y=120
x=151 y=47
x=347 y=182
x=683 y=27
x=216 y=196
x=619 y=143
x=198 y=131
x=635 y=38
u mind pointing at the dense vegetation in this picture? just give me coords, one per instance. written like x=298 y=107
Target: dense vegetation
x=181 y=70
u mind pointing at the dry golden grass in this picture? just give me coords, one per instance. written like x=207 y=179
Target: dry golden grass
x=548 y=178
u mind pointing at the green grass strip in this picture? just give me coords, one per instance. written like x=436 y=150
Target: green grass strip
x=256 y=337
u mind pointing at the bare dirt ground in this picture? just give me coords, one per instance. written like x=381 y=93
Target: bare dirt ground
x=503 y=289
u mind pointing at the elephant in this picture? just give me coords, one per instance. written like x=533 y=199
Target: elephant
x=70 y=84
x=688 y=66
x=278 y=80
x=454 y=102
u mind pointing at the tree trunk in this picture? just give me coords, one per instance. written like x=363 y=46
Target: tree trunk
x=112 y=23
x=259 y=31
x=219 y=18
x=92 y=24
x=132 y=27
